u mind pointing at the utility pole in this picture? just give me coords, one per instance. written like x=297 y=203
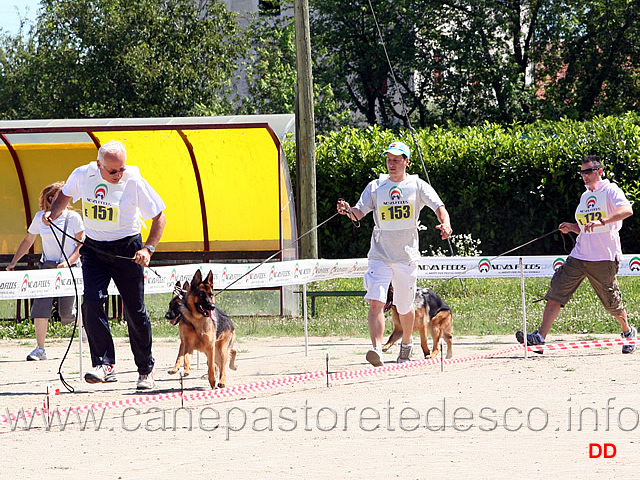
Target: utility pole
x=305 y=135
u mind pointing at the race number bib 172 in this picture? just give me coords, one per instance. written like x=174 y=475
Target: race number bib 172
x=584 y=218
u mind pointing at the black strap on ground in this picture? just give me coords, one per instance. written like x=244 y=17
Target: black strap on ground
x=75 y=323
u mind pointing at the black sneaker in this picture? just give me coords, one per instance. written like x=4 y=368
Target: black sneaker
x=630 y=334
x=533 y=338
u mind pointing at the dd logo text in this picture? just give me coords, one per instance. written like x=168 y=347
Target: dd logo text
x=606 y=450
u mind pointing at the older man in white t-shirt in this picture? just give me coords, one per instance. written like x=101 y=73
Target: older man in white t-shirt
x=114 y=196
x=596 y=255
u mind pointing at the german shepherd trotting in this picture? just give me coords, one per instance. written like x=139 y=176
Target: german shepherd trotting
x=432 y=315
x=203 y=327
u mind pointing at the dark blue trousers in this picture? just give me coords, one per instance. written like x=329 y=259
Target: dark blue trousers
x=98 y=268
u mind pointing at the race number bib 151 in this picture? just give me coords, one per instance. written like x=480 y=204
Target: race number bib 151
x=100 y=217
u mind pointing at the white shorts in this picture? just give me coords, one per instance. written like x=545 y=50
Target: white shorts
x=403 y=276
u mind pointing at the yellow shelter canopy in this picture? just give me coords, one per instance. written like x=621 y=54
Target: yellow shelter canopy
x=224 y=180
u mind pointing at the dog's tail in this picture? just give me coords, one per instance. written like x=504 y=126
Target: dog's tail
x=232 y=352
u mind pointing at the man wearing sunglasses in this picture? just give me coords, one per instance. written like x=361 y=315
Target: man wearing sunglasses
x=114 y=198
x=595 y=256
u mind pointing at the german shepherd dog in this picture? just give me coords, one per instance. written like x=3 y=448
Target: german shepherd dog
x=432 y=315
x=203 y=327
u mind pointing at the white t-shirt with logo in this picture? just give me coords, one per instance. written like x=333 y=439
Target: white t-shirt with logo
x=604 y=242
x=112 y=211
x=396 y=207
x=50 y=247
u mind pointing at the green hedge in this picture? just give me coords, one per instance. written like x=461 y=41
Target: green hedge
x=502 y=185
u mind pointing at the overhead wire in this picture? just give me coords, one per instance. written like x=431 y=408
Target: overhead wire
x=405 y=113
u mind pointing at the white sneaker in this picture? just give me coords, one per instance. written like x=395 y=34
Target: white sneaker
x=375 y=358
x=629 y=348
x=146 y=381
x=405 y=353
x=37 y=354
x=101 y=374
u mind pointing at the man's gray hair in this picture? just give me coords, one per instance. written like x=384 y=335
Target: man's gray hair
x=595 y=160
x=112 y=147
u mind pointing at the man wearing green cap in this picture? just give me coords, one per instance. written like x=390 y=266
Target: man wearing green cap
x=396 y=199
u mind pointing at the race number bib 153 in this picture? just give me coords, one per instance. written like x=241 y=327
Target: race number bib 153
x=396 y=212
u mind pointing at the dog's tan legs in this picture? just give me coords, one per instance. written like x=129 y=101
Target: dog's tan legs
x=232 y=352
x=212 y=369
x=436 y=333
x=423 y=342
x=188 y=350
x=222 y=355
x=441 y=327
x=449 y=339
x=177 y=365
x=179 y=360
x=187 y=363
x=232 y=358
x=422 y=326
x=393 y=338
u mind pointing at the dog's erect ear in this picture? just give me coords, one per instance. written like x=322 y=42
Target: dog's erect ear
x=197 y=278
x=185 y=287
x=210 y=277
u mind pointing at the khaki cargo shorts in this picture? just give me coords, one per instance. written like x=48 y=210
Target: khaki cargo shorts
x=602 y=276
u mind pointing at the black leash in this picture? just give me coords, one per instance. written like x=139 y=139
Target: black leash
x=354 y=220
x=97 y=250
x=180 y=292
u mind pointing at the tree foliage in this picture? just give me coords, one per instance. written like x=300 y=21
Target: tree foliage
x=462 y=62
x=271 y=75
x=453 y=61
x=116 y=58
x=354 y=61
x=445 y=62
x=502 y=185
x=588 y=57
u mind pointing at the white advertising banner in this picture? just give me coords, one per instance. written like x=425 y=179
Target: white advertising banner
x=245 y=276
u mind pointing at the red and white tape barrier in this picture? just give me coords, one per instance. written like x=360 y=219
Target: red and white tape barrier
x=232 y=391
x=587 y=344
x=289 y=380
x=399 y=367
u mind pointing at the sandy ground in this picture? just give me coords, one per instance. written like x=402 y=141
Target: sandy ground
x=499 y=417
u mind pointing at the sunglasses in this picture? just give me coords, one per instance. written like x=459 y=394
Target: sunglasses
x=588 y=170
x=113 y=172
